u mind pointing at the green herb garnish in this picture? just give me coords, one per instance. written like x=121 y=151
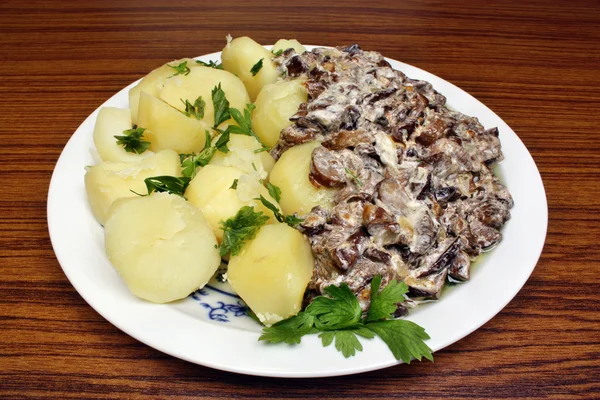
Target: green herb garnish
x=180 y=69
x=195 y=110
x=337 y=317
x=239 y=229
x=291 y=220
x=221 y=105
x=244 y=123
x=133 y=140
x=234 y=184
x=274 y=191
x=256 y=67
x=211 y=64
x=277 y=53
x=354 y=177
x=166 y=183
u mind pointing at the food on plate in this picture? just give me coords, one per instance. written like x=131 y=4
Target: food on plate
x=108 y=181
x=291 y=175
x=345 y=195
x=154 y=81
x=275 y=104
x=272 y=278
x=415 y=199
x=183 y=90
x=162 y=247
x=220 y=192
x=168 y=128
x=245 y=153
x=284 y=44
x=111 y=122
x=251 y=62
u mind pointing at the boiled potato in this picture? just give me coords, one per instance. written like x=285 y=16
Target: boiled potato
x=271 y=272
x=162 y=247
x=113 y=121
x=290 y=174
x=284 y=44
x=241 y=155
x=275 y=104
x=168 y=128
x=153 y=83
x=210 y=191
x=240 y=55
x=200 y=82
x=108 y=181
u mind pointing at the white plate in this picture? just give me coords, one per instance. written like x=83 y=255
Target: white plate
x=209 y=327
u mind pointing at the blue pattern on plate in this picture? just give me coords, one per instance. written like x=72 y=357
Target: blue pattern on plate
x=220 y=311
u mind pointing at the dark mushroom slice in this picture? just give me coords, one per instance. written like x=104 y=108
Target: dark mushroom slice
x=344 y=139
x=428 y=288
x=314 y=222
x=460 y=269
x=440 y=259
x=326 y=169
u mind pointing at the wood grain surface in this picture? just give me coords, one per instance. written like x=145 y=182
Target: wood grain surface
x=535 y=63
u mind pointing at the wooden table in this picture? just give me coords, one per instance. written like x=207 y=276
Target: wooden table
x=535 y=63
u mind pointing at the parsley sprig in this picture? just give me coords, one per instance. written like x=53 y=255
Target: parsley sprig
x=240 y=228
x=180 y=69
x=133 y=141
x=256 y=67
x=291 y=220
x=221 y=105
x=189 y=162
x=337 y=317
x=195 y=109
x=165 y=183
x=211 y=64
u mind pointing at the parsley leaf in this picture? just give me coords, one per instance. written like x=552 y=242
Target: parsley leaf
x=211 y=64
x=345 y=340
x=289 y=330
x=256 y=67
x=244 y=122
x=221 y=105
x=189 y=162
x=221 y=144
x=277 y=53
x=133 y=140
x=291 y=220
x=274 y=192
x=338 y=311
x=240 y=228
x=166 y=183
x=180 y=69
x=384 y=303
x=404 y=338
x=234 y=184
x=336 y=316
x=196 y=110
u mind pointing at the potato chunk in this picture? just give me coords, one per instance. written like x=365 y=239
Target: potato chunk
x=200 y=82
x=240 y=55
x=290 y=174
x=108 y=181
x=284 y=44
x=110 y=122
x=168 y=128
x=242 y=155
x=275 y=104
x=153 y=83
x=162 y=247
x=271 y=272
x=211 y=191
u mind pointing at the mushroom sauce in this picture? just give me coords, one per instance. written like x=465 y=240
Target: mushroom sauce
x=416 y=198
